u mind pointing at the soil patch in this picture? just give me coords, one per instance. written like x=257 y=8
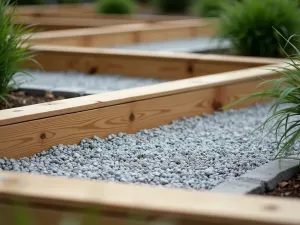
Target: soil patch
x=19 y=99
x=287 y=188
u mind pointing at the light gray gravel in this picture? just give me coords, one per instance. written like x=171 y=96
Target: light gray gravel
x=197 y=153
x=75 y=81
x=199 y=44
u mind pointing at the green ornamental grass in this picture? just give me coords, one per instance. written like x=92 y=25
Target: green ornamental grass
x=284 y=119
x=115 y=6
x=30 y=2
x=68 y=2
x=12 y=51
x=208 y=8
x=172 y=6
x=249 y=25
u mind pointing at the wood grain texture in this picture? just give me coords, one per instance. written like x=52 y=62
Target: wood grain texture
x=35 y=136
x=51 y=23
x=49 y=197
x=44 y=110
x=28 y=138
x=140 y=32
x=88 y=11
x=158 y=65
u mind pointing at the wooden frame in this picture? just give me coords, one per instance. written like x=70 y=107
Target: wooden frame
x=191 y=74
x=50 y=199
x=88 y=11
x=62 y=17
x=48 y=23
x=126 y=34
x=199 y=84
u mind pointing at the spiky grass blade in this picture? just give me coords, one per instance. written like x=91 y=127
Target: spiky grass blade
x=284 y=120
x=14 y=50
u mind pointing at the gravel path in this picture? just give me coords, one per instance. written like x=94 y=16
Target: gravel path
x=197 y=153
x=62 y=83
x=199 y=44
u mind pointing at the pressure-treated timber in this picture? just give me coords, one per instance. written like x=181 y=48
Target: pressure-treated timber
x=157 y=65
x=50 y=199
x=51 y=23
x=89 y=11
x=45 y=23
x=38 y=127
x=123 y=34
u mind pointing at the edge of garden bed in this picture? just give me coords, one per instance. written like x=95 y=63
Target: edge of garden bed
x=115 y=203
x=38 y=127
x=119 y=34
x=262 y=179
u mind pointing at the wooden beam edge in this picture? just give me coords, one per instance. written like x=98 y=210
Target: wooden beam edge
x=201 y=206
x=150 y=54
x=139 y=26
x=79 y=104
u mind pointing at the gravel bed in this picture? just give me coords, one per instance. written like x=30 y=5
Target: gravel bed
x=70 y=80
x=197 y=153
x=191 y=45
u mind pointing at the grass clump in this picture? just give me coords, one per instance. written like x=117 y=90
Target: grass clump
x=12 y=51
x=172 y=6
x=249 y=24
x=61 y=2
x=284 y=119
x=208 y=8
x=30 y=2
x=115 y=6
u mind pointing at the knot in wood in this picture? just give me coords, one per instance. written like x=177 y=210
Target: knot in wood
x=43 y=136
x=132 y=117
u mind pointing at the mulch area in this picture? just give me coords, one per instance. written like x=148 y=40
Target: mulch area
x=19 y=99
x=288 y=188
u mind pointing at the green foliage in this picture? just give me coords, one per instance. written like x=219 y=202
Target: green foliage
x=68 y=1
x=30 y=2
x=12 y=51
x=249 y=25
x=116 y=6
x=285 y=111
x=208 y=8
x=172 y=6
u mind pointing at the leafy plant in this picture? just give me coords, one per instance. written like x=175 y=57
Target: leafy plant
x=172 y=6
x=284 y=120
x=115 y=6
x=68 y=1
x=13 y=52
x=208 y=8
x=30 y=2
x=248 y=25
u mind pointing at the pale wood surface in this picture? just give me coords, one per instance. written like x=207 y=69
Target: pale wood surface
x=158 y=65
x=88 y=11
x=68 y=121
x=51 y=23
x=50 y=196
x=94 y=101
x=110 y=36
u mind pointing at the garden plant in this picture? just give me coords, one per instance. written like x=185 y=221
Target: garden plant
x=249 y=24
x=172 y=6
x=13 y=52
x=115 y=6
x=284 y=119
x=208 y=8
